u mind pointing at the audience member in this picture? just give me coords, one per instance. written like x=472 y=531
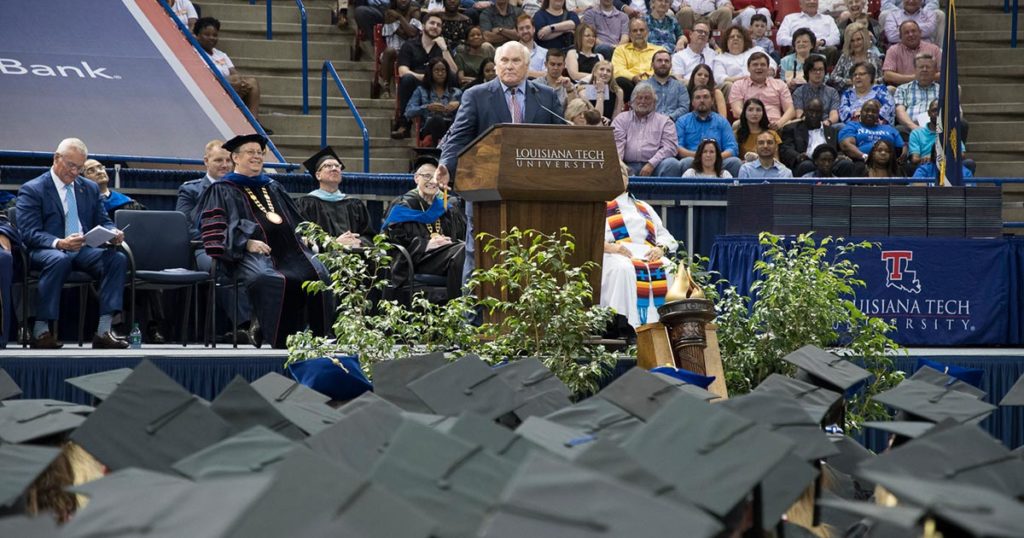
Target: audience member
x=857 y=48
x=343 y=218
x=413 y=60
x=185 y=11
x=857 y=12
x=538 y=54
x=471 y=55
x=9 y=240
x=899 y=59
x=553 y=78
x=792 y=66
x=766 y=165
x=778 y=102
x=710 y=162
x=575 y=109
x=530 y=7
x=704 y=123
x=635 y=275
x=801 y=139
x=926 y=20
x=555 y=25
x=646 y=139
x=605 y=94
x=580 y=6
x=882 y=161
x=498 y=21
x=612 y=26
x=913 y=97
x=858 y=137
x=435 y=101
x=746 y=10
x=401 y=24
x=339 y=15
x=54 y=211
x=823 y=26
x=487 y=72
x=824 y=162
x=717 y=12
x=454 y=25
x=207 y=31
x=580 y=61
x=863 y=90
x=634 y=61
x=929 y=170
x=922 y=140
x=731 y=64
x=758 y=28
x=431 y=226
x=753 y=121
x=815 y=88
x=663 y=29
x=248 y=221
x=696 y=52
x=703 y=77
x=673 y=99
x=369 y=13
x=111 y=199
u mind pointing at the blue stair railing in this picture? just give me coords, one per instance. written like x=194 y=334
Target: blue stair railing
x=328 y=68
x=305 y=46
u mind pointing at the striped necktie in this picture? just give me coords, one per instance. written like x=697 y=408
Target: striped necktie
x=517 y=110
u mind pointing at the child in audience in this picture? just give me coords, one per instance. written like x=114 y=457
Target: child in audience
x=759 y=35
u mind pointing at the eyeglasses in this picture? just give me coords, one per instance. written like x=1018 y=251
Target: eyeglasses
x=69 y=164
x=253 y=152
x=425 y=174
x=331 y=166
x=700 y=32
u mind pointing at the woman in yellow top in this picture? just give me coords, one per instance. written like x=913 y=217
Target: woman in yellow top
x=752 y=123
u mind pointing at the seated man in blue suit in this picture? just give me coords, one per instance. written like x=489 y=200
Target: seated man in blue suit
x=509 y=98
x=55 y=210
x=8 y=242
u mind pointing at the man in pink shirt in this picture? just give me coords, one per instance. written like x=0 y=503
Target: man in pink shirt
x=778 y=102
x=898 y=68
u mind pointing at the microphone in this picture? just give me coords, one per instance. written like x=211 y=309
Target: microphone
x=536 y=93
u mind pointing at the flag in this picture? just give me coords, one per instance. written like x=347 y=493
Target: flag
x=950 y=167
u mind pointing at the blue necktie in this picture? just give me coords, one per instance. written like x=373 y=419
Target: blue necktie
x=71 y=224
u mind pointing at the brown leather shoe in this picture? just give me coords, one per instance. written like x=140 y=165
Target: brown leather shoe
x=107 y=340
x=46 y=341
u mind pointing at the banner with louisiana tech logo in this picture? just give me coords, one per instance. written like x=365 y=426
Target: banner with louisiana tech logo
x=938 y=292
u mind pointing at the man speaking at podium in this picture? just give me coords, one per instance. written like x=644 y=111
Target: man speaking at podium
x=509 y=98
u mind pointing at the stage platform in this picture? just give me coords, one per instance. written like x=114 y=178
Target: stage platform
x=205 y=372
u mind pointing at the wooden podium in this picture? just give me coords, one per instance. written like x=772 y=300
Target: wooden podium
x=542 y=177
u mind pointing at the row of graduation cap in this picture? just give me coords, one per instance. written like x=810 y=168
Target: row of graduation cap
x=458 y=449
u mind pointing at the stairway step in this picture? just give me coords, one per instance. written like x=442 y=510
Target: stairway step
x=242 y=11
x=989 y=109
x=293 y=66
x=994 y=131
x=293 y=30
x=335 y=103
x=987 y=37
x=985 y=74
x=293 y=85
x=336 y=124
x=378 y=145
x=995 y=168
x=285 y=48
x=990 y=54
x=989 y=93
x=990 y=17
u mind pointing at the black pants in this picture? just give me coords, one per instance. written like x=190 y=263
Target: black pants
x=627 y=87
x=435 y=127
x=406 y=87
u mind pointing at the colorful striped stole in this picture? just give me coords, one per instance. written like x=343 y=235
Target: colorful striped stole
x=651 y=281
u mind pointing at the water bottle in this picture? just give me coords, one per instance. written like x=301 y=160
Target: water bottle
x=135 y=337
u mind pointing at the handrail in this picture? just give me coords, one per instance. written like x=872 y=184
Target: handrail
x=329 y=68
x=223 y=81
x=1013 y=25
x=305 y=46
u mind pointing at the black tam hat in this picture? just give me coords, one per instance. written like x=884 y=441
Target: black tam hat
x=314 y=163
x=240 y=140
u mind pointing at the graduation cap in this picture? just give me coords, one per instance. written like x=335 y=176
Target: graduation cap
x=615 y=462
x=817 y=401
x=254 y=450
x=423 y=159
x=277 y=388
x=494 y=438
x=453 y=480
x=933 y=403
x=34 y=420
x=927 y=374
x=20 y=465
x=549 y=497
x=821 y=368
x=962 y=454
x=553 y=437
x=318 y=159
x=242 y=407
x=340 y=377
x=537 y=385
x=40 y=526
x=1015 y=396
x=782 y=486
x=241 y=140
x=903 y=517
x=101 y=384
x=129 y=479
x=713 y=456
x=8 y=387
x=359 y=437
x=960 y=509
x=467 y=384
x=911 y=429
x=690 y=378
x=641 y=393
x=598 y=417
x=787 y=418
x=391 y=379
x=971 y=376
x=149 y=421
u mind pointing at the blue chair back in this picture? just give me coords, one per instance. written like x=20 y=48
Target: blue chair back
x=159 y=239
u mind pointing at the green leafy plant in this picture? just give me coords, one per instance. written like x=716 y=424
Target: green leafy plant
x=804 y=295
x=547 y=311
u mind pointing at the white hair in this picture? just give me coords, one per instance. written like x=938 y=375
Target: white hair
x=515 y=46
x=646 y=87
x=72 y=144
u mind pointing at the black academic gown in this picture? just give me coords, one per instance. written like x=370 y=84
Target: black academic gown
x=229 y=218
x=336 y=218
x=446 y=261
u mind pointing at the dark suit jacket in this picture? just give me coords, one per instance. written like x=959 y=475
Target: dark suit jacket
x=41 y=214
x=485 y=105
x=188 y=198
x=794 y=142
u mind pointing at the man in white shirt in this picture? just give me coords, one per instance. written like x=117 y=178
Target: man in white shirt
x=823 y=26
x=697 y=52
x=718 y=11
x=931 y=21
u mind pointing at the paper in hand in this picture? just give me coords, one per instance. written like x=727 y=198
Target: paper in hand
x=99 y=235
